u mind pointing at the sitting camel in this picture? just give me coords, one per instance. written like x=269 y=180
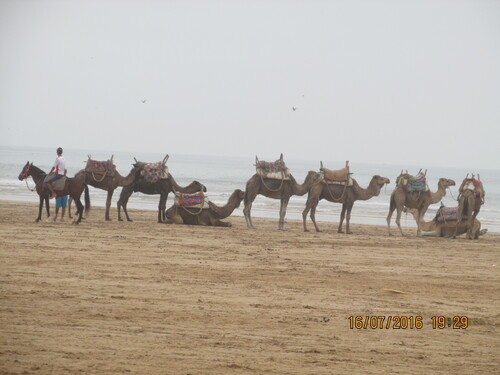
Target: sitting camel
x=448 y=228
x=420 y=201
x=210 y=216
x=345 y=194
x=277 y=189
x=470 y=200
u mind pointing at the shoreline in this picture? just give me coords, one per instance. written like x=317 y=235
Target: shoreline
x=140 y=297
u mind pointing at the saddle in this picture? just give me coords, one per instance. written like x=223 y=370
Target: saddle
x=276 y=170
x=446 y=214
x=194 y=200
x=470 y=183
x=336 y=176
x=413 y=184
x=102 y=167
x=59 y=183
x=152 y=172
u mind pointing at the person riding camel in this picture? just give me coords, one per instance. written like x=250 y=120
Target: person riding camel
x=57 y=171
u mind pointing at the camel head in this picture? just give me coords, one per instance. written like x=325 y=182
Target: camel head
x=380 y=181
x=198 y=186
x=445 y=182
x=238 y=195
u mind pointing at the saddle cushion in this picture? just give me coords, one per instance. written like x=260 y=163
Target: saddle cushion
x=275 y=170
x=447 y=213
x=152 y=172
x=59 y=183
x=339 y=175
x=416 y=183
x=194 y=200
x=102 y=167
x=331 y=182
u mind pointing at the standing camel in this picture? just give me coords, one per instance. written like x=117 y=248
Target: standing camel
x=420 y=201
x=345 y=194
x=107 y=181
x=162 y=186
x=210 y=216
x=470 y=200
x=277 y=189
x=72 y=187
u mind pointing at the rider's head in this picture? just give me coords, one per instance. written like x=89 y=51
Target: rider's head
x=59 y=151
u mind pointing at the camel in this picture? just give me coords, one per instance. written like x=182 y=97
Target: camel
x=420 y=201
x=211 y=216
x=469 y=205
x=107 y=182
x=276 y=189
x=449 y=228
x=162 y=187
x=344 y=194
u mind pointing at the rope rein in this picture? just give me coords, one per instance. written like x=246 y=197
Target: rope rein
x=268 y=188
x=331 y=194
x=96 y=180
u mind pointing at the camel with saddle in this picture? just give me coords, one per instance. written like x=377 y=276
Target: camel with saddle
x=338 y=186
x=103 y=175
x=274 y=180
x=196 y=209
x=470 y=199
x=155 y=178
x=446 y=224
x=412 y=192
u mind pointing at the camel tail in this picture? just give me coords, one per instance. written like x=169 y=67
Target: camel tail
x=87 y=199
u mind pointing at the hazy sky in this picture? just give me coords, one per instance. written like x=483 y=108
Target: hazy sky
x=392 y=81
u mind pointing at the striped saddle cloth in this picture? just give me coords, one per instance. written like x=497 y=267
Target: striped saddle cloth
x=416 y=183
x=447 y=214
x=194 y=200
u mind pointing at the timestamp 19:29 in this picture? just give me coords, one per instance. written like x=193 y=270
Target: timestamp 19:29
x=406 y=322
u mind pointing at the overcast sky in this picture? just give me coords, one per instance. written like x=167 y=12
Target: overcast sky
x=392 y=81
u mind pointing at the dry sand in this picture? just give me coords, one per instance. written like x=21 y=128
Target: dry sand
x=147 y=298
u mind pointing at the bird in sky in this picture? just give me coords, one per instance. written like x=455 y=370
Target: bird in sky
x=294 y=108
x=144 y=101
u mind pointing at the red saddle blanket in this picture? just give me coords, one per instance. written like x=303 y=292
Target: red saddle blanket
x=102 y=167
x=152 y=172
x=195 y=200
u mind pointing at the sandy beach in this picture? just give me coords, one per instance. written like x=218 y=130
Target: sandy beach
x=146 y=298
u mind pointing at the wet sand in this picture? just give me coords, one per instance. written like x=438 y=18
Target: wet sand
x=146 y=298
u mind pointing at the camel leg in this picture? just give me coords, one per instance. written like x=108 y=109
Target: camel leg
x=392 y=207
x=305 y=212
x=342 y=217
x=284 y=205
x=420 y=215
x=247 y=209
x=348 y=217
x=108 y=204
x=313 y=214
x=122 y=202
x=162 y=205
x=398 y=219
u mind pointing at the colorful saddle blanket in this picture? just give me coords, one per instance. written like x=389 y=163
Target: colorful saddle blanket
x=152 y=172
x=474 y=185
x=103 y=167
x=275 y=170
x=416 y=183
x=195 y=200
x=447 y=214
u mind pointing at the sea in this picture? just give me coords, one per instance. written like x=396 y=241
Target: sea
x=223 y=174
